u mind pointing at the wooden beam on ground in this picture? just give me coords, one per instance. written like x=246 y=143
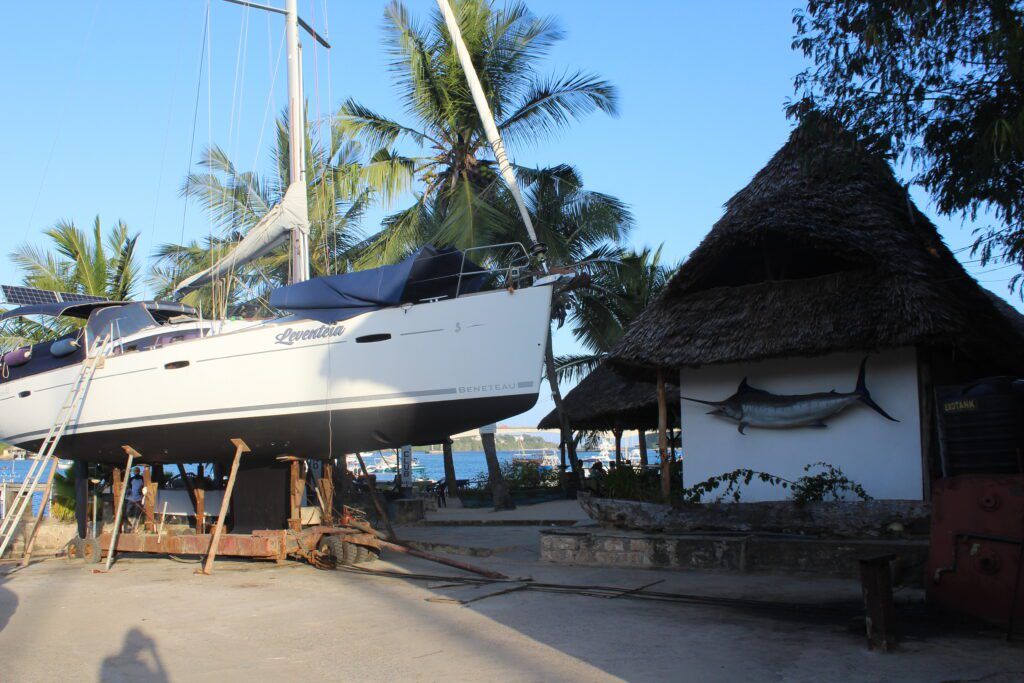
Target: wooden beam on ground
x=381 y=512
x=132 y=454
x=240 y=448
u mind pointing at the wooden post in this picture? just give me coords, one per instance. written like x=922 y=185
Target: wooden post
x=240 y=448
x=666 y=470
x=200 y=495
x=149 y=498
x=296 y=489
x=327 y=492
x=879 y=614
x=617 y=433
x=372 y=485
x=116 y=480
x=122 y=489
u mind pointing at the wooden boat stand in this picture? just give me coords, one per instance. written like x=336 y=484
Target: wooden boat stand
x=305 y=543
x=310 y=543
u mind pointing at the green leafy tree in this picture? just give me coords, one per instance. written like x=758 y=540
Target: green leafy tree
x=601 y=313
x=340 y=183
x=459 y=192
x=461 y=200
x=75 y=261
x=938 y=83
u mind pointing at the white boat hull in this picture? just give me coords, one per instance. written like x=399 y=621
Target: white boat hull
x=412 y=374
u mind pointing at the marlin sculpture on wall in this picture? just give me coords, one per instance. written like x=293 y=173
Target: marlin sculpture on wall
x=752 y=407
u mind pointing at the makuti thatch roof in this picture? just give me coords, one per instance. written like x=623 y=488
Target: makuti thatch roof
x=604 y=400
x=823 y=251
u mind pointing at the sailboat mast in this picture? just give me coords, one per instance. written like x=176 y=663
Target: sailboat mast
x=299 y=261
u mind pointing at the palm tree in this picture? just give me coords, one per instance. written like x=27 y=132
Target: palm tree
x=461 y=201
x=78 y=262
x=455 y=167
x=601 y=313
x=340 y=186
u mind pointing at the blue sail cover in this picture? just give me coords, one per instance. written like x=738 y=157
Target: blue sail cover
x=428 y=274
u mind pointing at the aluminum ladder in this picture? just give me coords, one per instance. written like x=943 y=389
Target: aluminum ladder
x=47 y=450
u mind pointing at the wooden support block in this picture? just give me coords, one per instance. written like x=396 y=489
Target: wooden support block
x=149 y=501
x=879 y=613
x=240 y=448
x=200 y=511
x=116 y=481
x=327 y=492
x=297 y=489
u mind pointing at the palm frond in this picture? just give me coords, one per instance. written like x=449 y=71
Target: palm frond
x=553 y=103
x=574 y=367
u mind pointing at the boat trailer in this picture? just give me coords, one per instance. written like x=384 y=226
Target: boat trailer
x=343 y=538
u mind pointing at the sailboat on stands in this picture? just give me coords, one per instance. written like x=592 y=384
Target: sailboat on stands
x=402 y=354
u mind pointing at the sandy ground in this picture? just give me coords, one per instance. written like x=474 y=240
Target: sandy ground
x=152 y=619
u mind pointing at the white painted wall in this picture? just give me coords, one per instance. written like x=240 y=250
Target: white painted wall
x=883 y=456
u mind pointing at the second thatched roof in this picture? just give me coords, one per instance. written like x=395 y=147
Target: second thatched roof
x=823 y=251
x=605 y=400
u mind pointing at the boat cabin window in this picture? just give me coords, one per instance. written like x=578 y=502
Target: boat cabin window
x=118 y=321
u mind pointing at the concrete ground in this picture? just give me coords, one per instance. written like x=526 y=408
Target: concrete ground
x=152 y=619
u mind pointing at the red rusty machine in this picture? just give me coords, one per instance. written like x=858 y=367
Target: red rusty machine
x=976 y=559
x=974 y=564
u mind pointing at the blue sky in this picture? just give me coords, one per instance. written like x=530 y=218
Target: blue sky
x=100 y=97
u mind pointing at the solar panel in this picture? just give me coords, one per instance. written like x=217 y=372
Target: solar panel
x=27 y=296
x=71 y=296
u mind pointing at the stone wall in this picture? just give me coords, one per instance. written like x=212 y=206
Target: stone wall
x=747 y=553
x=845 y=519
x=51 y=537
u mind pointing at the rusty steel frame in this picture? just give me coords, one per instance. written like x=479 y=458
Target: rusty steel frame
x=264 y=544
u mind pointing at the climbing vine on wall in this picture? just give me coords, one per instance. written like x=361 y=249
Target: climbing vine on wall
x=829 y=484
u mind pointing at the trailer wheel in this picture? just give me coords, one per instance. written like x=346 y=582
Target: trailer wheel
x=91 y=551
x=365 y=555
x=73 y=550
x=338 y=550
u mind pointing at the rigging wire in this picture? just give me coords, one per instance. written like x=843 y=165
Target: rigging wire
x=163 y=152
x=62 y=116
x=192 y=140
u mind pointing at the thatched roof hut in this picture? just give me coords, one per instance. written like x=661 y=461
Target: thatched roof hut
x=606 y=400
x=823 y=251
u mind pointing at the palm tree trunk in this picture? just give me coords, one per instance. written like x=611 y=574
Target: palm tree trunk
x=666 y=469
x=641 y=436
x=450 y=483
x=563 y=419
x=617 y=432
x=499 y=488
